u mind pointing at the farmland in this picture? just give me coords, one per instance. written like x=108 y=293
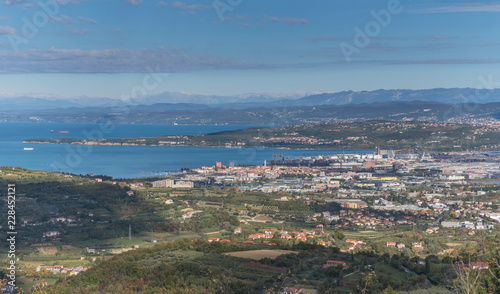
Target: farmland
x=260 y=254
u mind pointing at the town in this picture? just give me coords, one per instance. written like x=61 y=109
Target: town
x=421 y=208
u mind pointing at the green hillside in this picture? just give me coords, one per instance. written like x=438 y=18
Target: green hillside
x=396 y=135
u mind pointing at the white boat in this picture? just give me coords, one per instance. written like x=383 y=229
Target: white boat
x=28 y=149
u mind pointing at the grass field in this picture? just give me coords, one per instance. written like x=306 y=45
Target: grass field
x=48 y=250
x=261 y=218
x=260 y=254
x=70 y=248
x=365 y=234
x=384 y=269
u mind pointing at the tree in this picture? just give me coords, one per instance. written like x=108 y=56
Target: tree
x=389 y=290
x=468 y=280
x=337 y=235
x=427 y=266
x=366 y=282
x=492 y=280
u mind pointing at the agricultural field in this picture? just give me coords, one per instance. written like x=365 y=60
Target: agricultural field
x=260 y=254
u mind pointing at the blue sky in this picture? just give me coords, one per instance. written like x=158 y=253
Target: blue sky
x=104 y=48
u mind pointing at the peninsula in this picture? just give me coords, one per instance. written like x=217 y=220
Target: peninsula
x=395 y=135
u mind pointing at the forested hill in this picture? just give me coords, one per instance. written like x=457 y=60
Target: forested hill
x=184 y=266
x=197 y=266
x=396 y=135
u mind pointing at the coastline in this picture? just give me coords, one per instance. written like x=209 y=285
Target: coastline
x=94 y=143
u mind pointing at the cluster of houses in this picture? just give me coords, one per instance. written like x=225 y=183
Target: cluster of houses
x=210 y=240
x=292 y=290
x=402 y=246
x=356 y=244
x=56 y=269
x=51 y=234
x=55 y=220
x=62 y=220
x=432 y=230
x=283 y=234
x=363 y=217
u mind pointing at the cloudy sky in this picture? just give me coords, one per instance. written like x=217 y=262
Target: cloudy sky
x=225 y=47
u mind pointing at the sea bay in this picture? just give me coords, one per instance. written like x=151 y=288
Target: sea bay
x=125 y=161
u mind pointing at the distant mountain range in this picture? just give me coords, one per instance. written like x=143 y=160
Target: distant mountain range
x=440 y=95
x=448 y=96
x=431 y=105
x=164 y=113
x=13 y=102
x=35 y=103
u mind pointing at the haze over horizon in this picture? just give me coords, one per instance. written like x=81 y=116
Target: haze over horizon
x=81 y=49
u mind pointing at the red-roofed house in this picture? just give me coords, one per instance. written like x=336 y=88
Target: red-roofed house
x=294 y=290
x=417 y=245
x=51 y=234
x=478 y=265
x=301 y=238
x=330 y=263
x=257 y=236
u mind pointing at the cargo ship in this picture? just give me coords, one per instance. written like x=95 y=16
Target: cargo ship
x=59 y=132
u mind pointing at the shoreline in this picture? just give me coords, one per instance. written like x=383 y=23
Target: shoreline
x=182 y=145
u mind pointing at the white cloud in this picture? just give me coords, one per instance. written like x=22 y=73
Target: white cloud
x=57 y=60
x=79 y=31
x=161 y=4
x=27 y=6
x=134 y=2
x=88 y=20
x=64 y=2
x=289 y=20
x=13 y=2
x=9 y=94
x=60 y=2
x=60 y=19
x=8 y=30
x=192 y=7
x=469 y=7
x=433 y=38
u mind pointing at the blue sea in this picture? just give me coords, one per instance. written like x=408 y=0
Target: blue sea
x=124 y=161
